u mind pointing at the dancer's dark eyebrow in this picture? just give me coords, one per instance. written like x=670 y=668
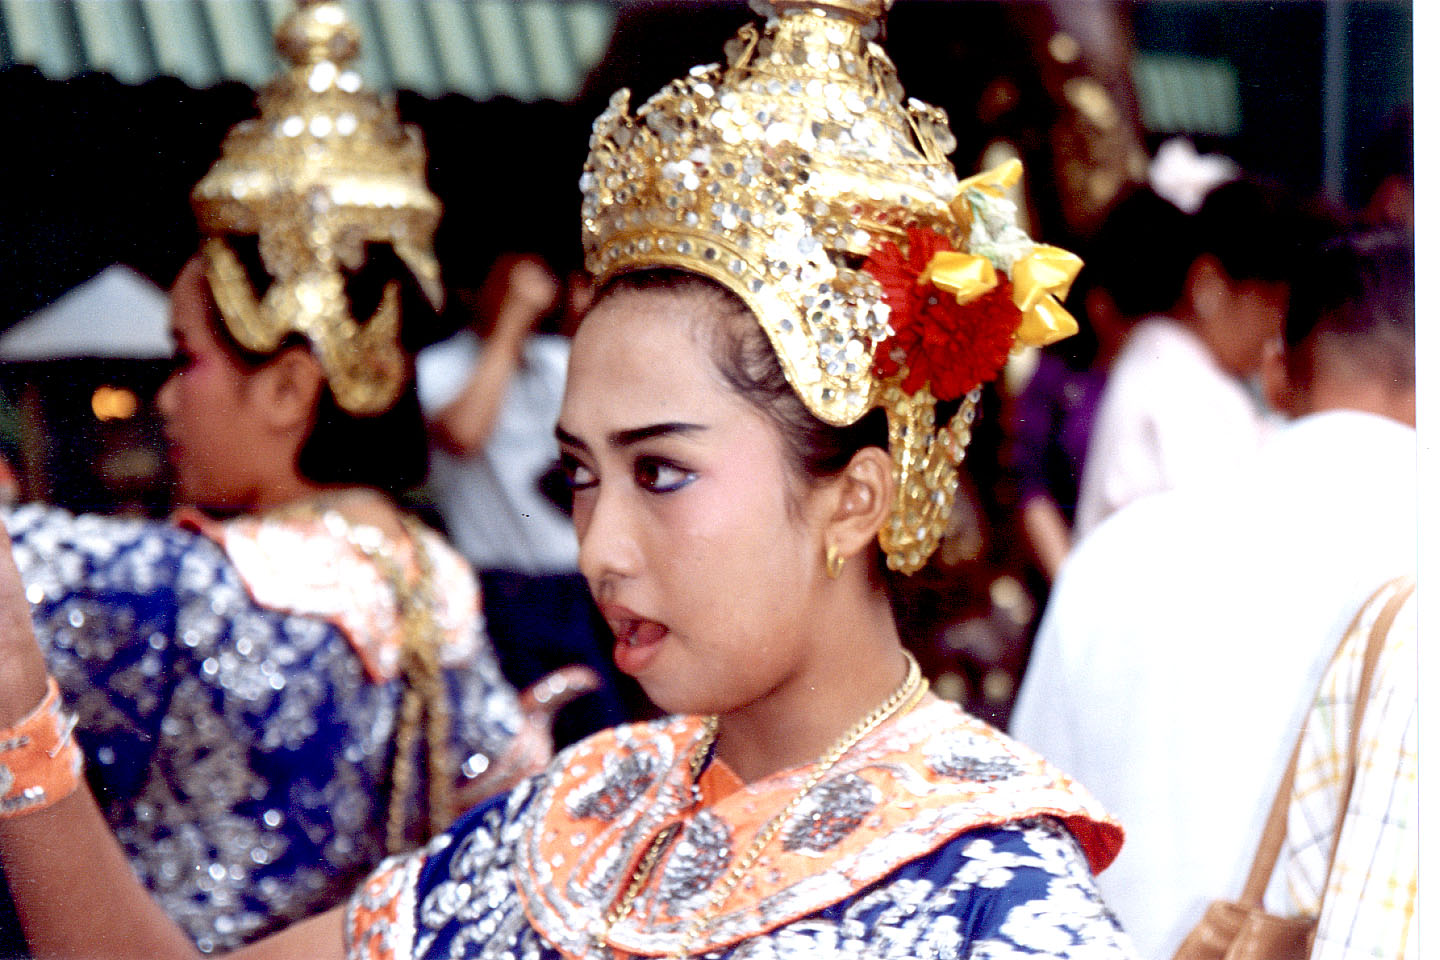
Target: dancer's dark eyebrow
x=634 y=435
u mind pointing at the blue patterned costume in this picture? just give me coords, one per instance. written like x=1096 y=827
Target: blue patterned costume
x=241 y=753
x=935 y=837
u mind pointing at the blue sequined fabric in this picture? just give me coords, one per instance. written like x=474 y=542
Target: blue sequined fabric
x=1020 y=890
x=990 y=868
x=240 y=754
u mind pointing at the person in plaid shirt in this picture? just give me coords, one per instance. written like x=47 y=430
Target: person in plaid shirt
x=1365 y=899
x=1361 y=885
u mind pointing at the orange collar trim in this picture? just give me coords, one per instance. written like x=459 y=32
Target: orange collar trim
x=898 y=795
x=291 y=563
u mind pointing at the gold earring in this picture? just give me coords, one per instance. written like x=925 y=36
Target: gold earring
x=834 y=561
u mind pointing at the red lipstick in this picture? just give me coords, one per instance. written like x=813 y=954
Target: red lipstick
x=637 y=639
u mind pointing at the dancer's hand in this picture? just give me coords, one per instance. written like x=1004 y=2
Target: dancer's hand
x=534 y=744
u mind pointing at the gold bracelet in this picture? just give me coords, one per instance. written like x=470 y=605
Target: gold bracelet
x=39 y=761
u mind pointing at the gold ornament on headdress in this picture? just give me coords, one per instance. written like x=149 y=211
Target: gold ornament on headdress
x=782 y=175
x=325 y=169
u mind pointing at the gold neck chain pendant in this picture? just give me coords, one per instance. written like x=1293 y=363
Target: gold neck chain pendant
x=910 y=692
x=657 y=846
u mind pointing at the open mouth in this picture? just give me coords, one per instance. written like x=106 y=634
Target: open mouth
x=637 y=640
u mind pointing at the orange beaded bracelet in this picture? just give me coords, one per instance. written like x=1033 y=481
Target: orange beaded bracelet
x=39 y=761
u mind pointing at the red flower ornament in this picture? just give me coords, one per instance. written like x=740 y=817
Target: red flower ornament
x=952 y=346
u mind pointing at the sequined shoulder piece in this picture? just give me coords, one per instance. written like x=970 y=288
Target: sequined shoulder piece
x=899 y=795
x=296 y=564
x=380 y=918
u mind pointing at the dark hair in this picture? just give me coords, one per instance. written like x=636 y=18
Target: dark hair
x=1140 y=254
x=1358 y=290
x=388 y=450
x=1255 y=230
x=747 y=362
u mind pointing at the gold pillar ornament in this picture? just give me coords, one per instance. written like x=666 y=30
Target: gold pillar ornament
x=326 y=169
x=798 y=176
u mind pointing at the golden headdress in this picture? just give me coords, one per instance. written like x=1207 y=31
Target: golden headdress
x=326 y=168
x=797 y=176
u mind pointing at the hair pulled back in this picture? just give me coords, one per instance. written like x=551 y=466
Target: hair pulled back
x=388 y=450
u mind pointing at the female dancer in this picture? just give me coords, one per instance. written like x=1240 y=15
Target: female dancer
x=791 y=276
x=262 y=700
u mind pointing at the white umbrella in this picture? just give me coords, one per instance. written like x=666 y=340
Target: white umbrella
x=116 y=313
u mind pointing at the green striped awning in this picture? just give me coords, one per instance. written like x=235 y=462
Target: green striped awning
x=527 y=49
x=1184 y=94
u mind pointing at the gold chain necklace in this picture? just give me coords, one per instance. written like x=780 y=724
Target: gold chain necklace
x=911 y=690
x=657 y=846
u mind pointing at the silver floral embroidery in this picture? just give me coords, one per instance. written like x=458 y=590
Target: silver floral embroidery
x=701 y=854
x=830 y=814
x=968 y=758
x=476 y=912
x=474 y=855
x=619 y=784
x=918 y=915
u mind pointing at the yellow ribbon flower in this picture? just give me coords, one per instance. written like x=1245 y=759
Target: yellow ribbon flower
x=1039 y=281
x=963 y=274
x=996 y=180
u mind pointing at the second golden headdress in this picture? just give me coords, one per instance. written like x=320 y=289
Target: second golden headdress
x=797 y=176
x=326 y=169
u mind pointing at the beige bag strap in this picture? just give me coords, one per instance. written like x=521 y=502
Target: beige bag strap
x=1272 y=838
x=1404 y=587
